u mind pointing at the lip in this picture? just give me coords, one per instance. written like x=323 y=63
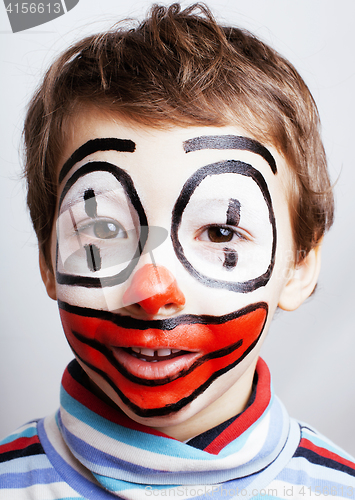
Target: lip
x=213 y=345
x=169 y=368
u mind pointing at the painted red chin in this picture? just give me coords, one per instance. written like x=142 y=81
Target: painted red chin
x=210 y=346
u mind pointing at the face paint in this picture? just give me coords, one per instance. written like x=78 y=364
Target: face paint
x=121 y=230
x=90 y=203
x=90 y=147
x=202 y=199
x=230 y=142
x=223 y=232
x=207 y=346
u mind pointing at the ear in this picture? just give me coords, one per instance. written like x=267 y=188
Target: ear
x=47 y=277
x=302 y=281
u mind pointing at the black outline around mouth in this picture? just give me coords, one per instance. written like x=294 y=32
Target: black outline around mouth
x=185 y=319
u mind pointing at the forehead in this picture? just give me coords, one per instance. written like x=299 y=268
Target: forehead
x=156 y=158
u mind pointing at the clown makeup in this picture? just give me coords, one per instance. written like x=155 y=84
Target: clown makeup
x=166 y=256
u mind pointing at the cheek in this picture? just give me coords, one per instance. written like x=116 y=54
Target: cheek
x=217 y=347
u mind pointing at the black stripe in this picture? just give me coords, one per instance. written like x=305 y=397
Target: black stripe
x=160 y=324
x=233 y=212
x=317 y=459
x=90 y=147
x=32 y=449
x=107 y=353
x=206 y=438
x=230 y=142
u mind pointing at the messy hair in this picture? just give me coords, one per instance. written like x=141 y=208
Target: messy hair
x=180 y=67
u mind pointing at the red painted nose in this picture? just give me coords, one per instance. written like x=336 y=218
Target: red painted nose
x=154 y=287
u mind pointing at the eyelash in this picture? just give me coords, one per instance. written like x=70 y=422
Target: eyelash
x=97 y=222
x=232 y=230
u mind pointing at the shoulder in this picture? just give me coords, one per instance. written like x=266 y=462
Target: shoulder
x=319 y=466
x=316 y=449
x=24 y=464
x=22 y=443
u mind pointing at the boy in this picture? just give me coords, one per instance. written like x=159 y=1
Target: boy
x=178 y=187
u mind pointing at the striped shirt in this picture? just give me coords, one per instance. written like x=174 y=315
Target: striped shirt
x=89 y=450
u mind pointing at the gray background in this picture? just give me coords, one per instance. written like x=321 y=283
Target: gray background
x=310 y=351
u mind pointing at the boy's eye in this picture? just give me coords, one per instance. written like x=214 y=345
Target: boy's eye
x=219 y=234
x=105 y=230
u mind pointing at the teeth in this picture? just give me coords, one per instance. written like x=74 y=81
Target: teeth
x=147 y=352
x=161 y=353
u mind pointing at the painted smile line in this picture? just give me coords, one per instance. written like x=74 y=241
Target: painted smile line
x=210 y=345
x=195 y=340
x=162 y=372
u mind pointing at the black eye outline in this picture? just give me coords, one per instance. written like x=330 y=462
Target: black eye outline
x=218 y=168
x=126 y=182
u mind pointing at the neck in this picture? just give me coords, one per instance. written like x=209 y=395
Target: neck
x=231 y=403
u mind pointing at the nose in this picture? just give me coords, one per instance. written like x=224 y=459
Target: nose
x=154 y=288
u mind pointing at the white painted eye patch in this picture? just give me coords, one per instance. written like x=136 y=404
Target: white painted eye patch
x=223 y=227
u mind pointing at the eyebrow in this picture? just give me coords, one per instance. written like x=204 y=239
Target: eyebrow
x=100 y=144
x=230 y=142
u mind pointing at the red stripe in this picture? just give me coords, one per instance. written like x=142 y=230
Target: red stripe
x=250 y=415
x=98 y=406
x=305 y=443
x=19 y=444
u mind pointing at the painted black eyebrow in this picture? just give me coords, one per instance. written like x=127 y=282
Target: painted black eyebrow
x=104 y=144
x=230 y=142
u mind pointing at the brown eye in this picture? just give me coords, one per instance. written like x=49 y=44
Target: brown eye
x=219 y=234
x=107 y=229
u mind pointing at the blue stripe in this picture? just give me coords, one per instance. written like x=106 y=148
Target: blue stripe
x=25 y=479
x=70 y=477
x=237 y=444
x=29 y=432
x=303 y=478
x=102 y=462
x=322 y=443
x=140 y=440
x=118 y=485
x=24 y=464
x=319 y=471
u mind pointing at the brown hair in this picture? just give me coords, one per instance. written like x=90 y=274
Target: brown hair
x=180 y=67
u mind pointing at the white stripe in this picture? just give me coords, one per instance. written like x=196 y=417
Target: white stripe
x=290 y=491
x=327 y=443
x=145 y=458
x=51 y=491
x=20 y=430
x=58 y=443
x=320 y=471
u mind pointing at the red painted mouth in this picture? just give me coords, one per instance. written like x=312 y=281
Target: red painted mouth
x=156 y=368
x=204 y=347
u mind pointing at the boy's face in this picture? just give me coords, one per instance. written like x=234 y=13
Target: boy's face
x=171 y=249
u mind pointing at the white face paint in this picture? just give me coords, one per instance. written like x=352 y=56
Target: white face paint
x=101 y=219
x=226 y=230
x=207 y=220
